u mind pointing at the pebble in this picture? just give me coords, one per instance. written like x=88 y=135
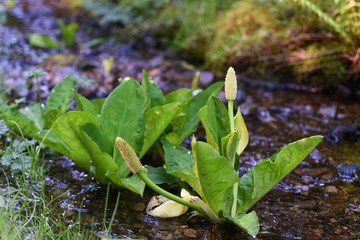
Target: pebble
x=331 y=189
x=139 y=207
x=306 y=204
x=191 y=233
x=206 y=78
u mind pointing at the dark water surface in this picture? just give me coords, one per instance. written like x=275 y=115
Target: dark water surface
x=320 y=199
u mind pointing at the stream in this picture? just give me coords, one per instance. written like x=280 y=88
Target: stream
x=320 y=199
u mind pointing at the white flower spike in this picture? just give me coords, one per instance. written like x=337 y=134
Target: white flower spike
x=230 y=85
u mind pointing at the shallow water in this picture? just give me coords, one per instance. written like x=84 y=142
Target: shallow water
x=320 y=199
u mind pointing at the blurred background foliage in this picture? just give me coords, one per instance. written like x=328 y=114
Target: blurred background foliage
x=313 y=41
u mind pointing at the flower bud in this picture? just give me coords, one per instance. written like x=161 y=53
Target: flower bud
x=230 y=85
x=129 y=155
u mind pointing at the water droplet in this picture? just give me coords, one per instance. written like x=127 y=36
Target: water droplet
x=196 y=92
x=92 y=170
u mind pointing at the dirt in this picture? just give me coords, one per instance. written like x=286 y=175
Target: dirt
x=320 y=199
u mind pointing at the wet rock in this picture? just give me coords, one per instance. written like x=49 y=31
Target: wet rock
x=206 y=78
x=335 y=134
x=331 y=189
x=308 y=204
x=265 y=116
x=191 y=233
x=328 y=111
x=314 y=172
x=139 y=207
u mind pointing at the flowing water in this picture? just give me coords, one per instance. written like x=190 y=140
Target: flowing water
x=320 y=199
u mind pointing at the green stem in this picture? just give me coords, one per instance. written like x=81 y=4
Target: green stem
x=236 y=185
x=165 y=193
x=231 y=115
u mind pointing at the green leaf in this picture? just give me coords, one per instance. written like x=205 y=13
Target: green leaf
x=155 y=95
x=98 y=104
x=192 y=118
x=216 y=177
x=35 y=113
x=159 y=176
x=67 y=129
x=133 y=183
x=85 y=105
x=95 y=133
x=123 y=114
x=68 y=33
x=101 y=162
x=215 y=119
x=182 y=96
x=15 y=118
x=242 y=131
x=61 y=96
x=54 y=141
x=42 y=41
x=229 y=146
x=59 y=100
x=156 y=121
x=247 y=222
x=179 y=163
x=265 y=175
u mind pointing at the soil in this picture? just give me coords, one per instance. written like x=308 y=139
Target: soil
x=320 y=199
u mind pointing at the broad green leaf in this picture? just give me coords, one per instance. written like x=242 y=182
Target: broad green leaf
x=61 y=96
x=35 y=113
x=123 y=114
x=85 y=105
x=95 y=133
x=54 y=141
x=216 y=176
x=101 y=162
x=59 y=100
x=215 y=119
x=42 y=41
x=68 y=129
x=155 y=95
x=182 y=96
x=133 y=183
x=50 y=116
x=248 y=222
x=98 y=104
x=179 y=163
x=156 y=121
x=192 y=118
x=260 y=179
x=68 y=32
x=159 y=176
x=242 y=131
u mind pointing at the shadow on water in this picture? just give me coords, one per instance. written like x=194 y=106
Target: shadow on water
x=320 y=199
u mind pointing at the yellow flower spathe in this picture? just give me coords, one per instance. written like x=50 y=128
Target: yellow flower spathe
x=230 y=85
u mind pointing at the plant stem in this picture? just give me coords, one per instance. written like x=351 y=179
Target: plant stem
x=231 y=116
x=236 y=185
x=165 y=193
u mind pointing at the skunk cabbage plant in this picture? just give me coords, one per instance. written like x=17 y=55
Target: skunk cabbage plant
x=212 y=169
x=140 y=114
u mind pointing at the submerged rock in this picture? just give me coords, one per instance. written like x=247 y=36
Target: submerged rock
x=335 y=134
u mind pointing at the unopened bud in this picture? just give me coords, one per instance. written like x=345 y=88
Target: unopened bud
x=129 y=155
x=230 y=85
